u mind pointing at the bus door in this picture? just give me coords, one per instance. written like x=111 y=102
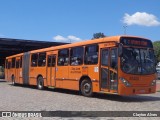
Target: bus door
x=17 y=73
x=51 y=66
x=108 y=70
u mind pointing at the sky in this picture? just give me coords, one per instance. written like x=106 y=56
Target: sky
x=78 y=20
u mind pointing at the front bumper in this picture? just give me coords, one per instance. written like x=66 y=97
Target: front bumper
x=123 y=90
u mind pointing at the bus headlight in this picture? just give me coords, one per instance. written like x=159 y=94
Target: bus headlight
x=153 y=83
x=125 y=82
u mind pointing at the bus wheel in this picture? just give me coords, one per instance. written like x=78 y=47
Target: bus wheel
x=13 y=80
x=86 y=88
x=40 y=83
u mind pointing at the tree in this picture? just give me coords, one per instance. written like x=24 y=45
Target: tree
x=156 y=46
x=98 y=35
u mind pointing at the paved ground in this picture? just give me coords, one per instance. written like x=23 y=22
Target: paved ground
x=21 y=98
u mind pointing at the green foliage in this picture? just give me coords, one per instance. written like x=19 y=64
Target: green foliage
x=156 y=46
x=98 y=35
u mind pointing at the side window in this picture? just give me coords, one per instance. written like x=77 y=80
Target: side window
x=17 y=63
x=91 y=54
x=21 y=62
x=34 y=59
x=105 y=57
x=51 y=61
x=63 y=57
x=76 y=55
x=42 y=59
x=6 y=64
x=13 y=62
x=9 y=65
x=114 y=58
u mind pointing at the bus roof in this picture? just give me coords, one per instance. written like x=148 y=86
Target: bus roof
x=87 y=42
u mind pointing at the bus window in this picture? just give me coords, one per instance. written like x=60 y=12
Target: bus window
x=147 y=61
x=34 y=59
x=91 y=54
x=138 y=61
x=76 y=56
x=42 y=59
x=63 y=57
x=51 y=61
x=9 y=65
x=105 y=57
x=114 y=58
x=21 y=62
x=13 y=62
x=17 y=63
x=6 y=64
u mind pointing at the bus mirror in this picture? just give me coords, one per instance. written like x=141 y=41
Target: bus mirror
x=120 y=49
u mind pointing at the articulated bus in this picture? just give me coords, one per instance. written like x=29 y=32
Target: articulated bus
x=122 y=65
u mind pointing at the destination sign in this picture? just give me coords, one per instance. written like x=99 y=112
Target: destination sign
x=130 y=41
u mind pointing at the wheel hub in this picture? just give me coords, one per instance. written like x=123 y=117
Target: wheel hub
x=87 y=87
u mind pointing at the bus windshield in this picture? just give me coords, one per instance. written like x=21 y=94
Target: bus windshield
x=138 y=61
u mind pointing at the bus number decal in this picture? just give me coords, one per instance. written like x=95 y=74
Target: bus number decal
x=75 y=70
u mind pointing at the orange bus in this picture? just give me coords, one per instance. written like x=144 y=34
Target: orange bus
x=122 y=65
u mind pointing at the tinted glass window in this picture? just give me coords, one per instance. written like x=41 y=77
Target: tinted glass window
x=34 y=60
x=51 y=61
x=148 y=61
x=6 y=64
x=105 y=57
x=138 y=61
x=114 y=58
x=42 y=59
x=21 y=62
x=17 y=63
x=63 y=57
x=91 y=54
x=9 y=65
x=76 y=56
x=13 y=62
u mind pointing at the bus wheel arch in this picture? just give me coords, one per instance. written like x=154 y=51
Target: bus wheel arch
x=85 y=86
x=40 y=82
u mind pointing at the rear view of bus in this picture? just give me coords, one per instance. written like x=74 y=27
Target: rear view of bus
x=136 y=66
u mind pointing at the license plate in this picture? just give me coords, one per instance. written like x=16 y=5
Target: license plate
x=142 y=91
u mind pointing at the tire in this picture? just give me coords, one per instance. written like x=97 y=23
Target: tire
x=40 y=83
x=86 y=88
x=13 y=80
